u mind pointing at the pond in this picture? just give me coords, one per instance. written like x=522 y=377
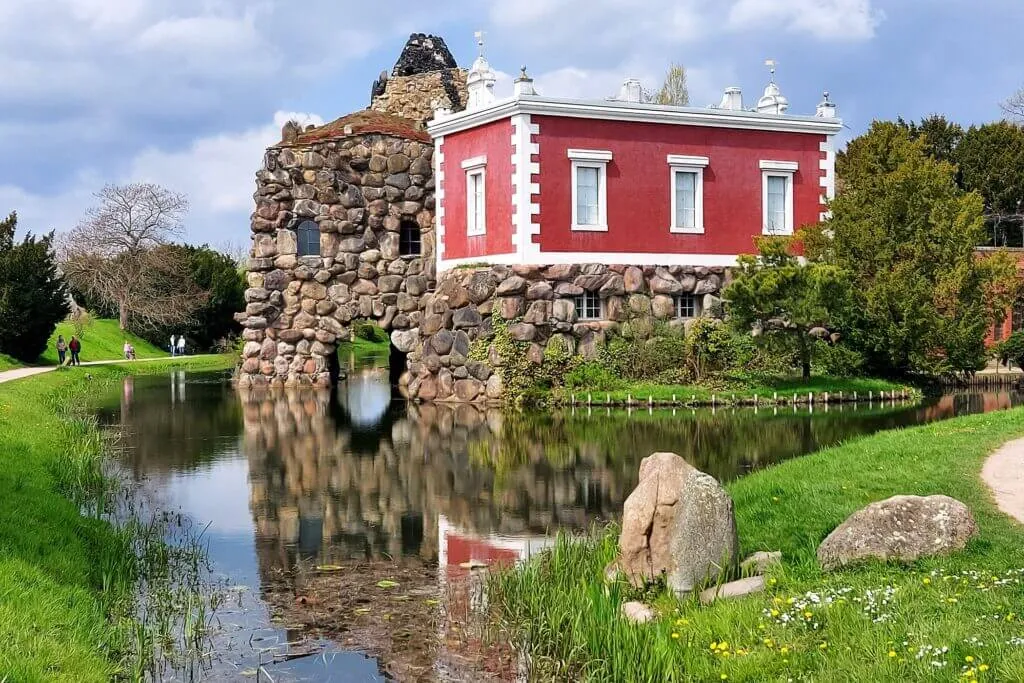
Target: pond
x=344 y=524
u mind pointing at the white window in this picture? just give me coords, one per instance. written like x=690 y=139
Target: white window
x=589 y=189
x=687 y=187
x=777 y=196
x=476 y=195
x=687 y=306
x=588 y=306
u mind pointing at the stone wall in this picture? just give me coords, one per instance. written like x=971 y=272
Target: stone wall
x=538 y=301
x=416 y=96
x=358 y=186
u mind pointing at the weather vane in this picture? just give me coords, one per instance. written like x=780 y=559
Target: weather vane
x=479 y=35
x=770 y=63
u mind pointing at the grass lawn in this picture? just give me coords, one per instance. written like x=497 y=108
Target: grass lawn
x=8 y=363
x=62 y=575
x=102 y=340
x=941 y=619
x=737 y=390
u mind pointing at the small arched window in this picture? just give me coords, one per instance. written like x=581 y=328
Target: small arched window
x=309 y=239
x=409 y=243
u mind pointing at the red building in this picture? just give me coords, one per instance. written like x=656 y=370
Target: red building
x=534 y=179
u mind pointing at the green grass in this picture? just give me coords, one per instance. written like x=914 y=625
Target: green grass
x=738 y=390
x=101 y=340
x=560 y=610
x=63 y=576
x=8 y=363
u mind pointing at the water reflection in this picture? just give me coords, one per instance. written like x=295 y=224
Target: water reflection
x=388 y=490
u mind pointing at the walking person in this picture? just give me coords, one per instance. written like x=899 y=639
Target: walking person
x=181 y=345
x=62 y=349
x=75 y=347
x=174 y=345
x=128 y=350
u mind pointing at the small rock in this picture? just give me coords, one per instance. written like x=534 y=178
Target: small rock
x=637 y=612
x=761 y=561
x=733 y=589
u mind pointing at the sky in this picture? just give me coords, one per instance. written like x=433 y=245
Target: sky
x=188 y=93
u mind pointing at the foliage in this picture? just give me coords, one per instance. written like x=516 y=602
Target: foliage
x=673 y=90
x=991 y=161
x=222 y=285
x=1014 y=106
x=367 y=331
x=1012 y=348
x=33 y=297
x=709 y=348
x=939 y=137
x=784 y=299
x=642 y=354
x=877 y=622
x=121 y=254
x=837 y=360
x=906 y=234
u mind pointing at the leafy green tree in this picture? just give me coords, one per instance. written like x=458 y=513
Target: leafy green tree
x=784 y=300
x=941 y=138
x=991 y=160
x=907 y=234
x=674 y=90
x=33 y=298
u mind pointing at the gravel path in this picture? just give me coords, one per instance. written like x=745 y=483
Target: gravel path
x=19 y=373
x=1003 y=473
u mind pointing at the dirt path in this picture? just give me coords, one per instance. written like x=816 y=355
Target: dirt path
x=1003 y=473
x=19 y=373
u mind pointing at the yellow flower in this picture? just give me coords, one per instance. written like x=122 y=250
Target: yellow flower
x=808 y=615
x=790 y=601
x=983 y=667
x=772 y=582
x=714 y=644
x=775 y=499
x=951 y=600
x=723 y=645
x=892 y=653
x=725 y=677
x=927 y=580
x=768 y=642
x=823 y=646
x=784 y=650
x=968 y=659
x=675 y=635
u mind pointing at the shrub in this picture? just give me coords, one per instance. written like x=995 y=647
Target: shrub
x=1012 y=348
x=369 y=332
x=709 y=348
x=593 y=375
x=836 y=360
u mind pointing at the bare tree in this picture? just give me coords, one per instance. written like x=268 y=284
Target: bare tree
x=122 y=253
x=674 y=90
x=1014 y=106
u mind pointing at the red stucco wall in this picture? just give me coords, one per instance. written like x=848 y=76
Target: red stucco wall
x=639 y=202
x=493 y=140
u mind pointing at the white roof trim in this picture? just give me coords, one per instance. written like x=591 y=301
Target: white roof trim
x=474 y=162
x=634 y=111
x=684 y=160
x=590 y=155
x=788 y=166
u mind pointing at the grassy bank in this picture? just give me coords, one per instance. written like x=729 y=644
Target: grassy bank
x=739 y=390
x=939 y=619
x=66 y=579
x=102 y=339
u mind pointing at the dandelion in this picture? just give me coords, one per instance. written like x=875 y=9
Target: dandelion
x=927 y=580
x=823 y=646
x=675 y=635
x=772 y=582
x=724 y=677
x=983 y=668
x=775 y=499
x=784 y=650
x=892 y=653
x=968 y=659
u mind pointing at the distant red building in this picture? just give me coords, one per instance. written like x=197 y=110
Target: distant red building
x=534 y=179
x=1013 y=321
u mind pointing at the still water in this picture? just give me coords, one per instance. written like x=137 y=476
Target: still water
x=313 y=500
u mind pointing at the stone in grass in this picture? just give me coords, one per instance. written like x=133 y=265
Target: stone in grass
x=900 y=528
x=636 y=612
x=678 y=522
x=761 y=561
x=733 y=589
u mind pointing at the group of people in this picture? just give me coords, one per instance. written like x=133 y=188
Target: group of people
x=73 y=347
x=177 y=345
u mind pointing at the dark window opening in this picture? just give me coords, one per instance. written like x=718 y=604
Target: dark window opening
x=309 y=239
x=409 y=243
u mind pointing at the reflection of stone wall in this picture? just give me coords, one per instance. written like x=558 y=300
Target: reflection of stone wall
x=539 y=301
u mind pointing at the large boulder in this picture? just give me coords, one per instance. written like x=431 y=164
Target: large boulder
x=899 y=528
x=679 y=522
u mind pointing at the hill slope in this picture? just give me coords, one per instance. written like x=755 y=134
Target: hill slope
x=102 y=340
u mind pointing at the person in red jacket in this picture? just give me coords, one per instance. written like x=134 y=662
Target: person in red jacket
x=75 y=347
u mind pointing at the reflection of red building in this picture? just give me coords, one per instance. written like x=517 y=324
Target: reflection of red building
x=1013 y=321
x=458 y=546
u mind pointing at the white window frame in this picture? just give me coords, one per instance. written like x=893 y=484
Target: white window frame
x=680 y=163
x=777 y=169
x=475 y=166
x=697 y=306
x=596 y=159
x=580 y=309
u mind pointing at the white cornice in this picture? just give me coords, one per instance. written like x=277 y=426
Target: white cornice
x=635 y=112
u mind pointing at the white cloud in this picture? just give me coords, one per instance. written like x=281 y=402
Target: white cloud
x=848 y=20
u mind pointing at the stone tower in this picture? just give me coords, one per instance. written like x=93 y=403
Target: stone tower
x=344 y=225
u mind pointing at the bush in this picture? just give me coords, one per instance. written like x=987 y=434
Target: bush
x=593 y=375
x=709 y=348
x=836 y=360
x=369 y=332
x=1012 y=349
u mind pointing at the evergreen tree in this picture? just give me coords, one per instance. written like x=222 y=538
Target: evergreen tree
x=33 y=297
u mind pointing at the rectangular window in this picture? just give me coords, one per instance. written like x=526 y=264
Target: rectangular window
x=687 y=188
x=687 y=306
x=476 y=211
x=589 y=189
x=777 y=196
x=588 y=306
